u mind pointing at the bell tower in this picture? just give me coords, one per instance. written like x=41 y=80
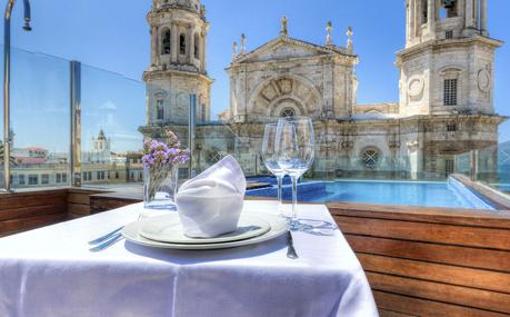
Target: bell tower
x=177 y=69
x=447 y=66
x=444 y=19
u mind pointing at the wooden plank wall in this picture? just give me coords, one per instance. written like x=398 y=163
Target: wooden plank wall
x=107 y=201
x=78 y=202
x=431 y=262
x=24 y=211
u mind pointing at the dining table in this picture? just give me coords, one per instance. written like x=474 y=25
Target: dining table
x=50 y=271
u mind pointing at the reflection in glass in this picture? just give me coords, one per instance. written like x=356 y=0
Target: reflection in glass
x=270 y=156
x=295 y=145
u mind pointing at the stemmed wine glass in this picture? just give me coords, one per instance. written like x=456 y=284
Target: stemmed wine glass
x=270 y=157
x=295 y=145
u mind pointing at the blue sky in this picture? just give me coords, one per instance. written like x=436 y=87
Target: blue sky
x=114 y=35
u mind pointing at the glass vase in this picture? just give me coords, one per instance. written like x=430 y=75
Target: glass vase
x=160 y=186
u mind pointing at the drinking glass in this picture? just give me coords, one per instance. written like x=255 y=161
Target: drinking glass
x=295 y=146
x=270 y=157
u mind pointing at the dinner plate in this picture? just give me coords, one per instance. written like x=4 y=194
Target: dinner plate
x=168 y=229
x=278 y=226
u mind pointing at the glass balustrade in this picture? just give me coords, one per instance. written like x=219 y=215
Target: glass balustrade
x=111 y=116
x=40 y=126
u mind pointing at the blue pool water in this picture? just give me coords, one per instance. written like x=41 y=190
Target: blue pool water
x=427 y=194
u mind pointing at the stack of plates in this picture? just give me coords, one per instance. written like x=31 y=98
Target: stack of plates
x=166 y=232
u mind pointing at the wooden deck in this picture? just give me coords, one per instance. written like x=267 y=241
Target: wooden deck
x=431 y=262
x=419 y=261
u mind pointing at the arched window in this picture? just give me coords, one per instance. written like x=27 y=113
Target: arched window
x=425 y=11
x=448 y=9
x=370 y=158
x=287 y=113
x=196 y=46
x=165 y=42
x=182 y=44
x=160 y=110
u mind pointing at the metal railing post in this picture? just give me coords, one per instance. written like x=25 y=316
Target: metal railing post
x=75 y=103
x=7 y=84
x=191 y=131
x=474 y=165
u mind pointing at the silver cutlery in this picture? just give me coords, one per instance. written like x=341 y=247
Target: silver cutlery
x=106 y=236
x=107 y=243
x=291 y=251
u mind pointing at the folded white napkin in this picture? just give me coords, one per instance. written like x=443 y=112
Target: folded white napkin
x=210 y=204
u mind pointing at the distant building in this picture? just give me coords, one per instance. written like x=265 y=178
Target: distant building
x=37 y=167
x=446 y=92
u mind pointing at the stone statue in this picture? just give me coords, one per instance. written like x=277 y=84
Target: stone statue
x=349 y=34
x=235 y=50
x=329 y=33
x=243 y=43
x=284 y=31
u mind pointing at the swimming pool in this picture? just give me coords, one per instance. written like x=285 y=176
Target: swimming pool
x=451 y=194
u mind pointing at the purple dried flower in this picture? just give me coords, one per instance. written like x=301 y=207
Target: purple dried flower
x=159 y=153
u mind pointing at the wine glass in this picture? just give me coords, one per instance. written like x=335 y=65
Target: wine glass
x=270 y=158
x=295 y=146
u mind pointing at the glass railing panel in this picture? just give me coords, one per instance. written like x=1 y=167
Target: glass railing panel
x=167 y=117
x=113 y=108
x=40 y=120
x=487 y=165
x=503 y=183
x=463 y=163
x=216 y=140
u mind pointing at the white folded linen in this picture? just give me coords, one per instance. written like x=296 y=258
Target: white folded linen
x=210 y=204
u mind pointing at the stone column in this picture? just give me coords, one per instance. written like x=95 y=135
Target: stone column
x=431 y=19
x=203 y=44
x=476 y=10
x=416 y=19
x=469 y=14
x=174 y=48
x=189 y=45
x=408 y=21
x=483 y=18
x=203 y=51
x=155 y=45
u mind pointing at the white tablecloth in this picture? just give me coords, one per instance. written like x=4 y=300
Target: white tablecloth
x=50 y=272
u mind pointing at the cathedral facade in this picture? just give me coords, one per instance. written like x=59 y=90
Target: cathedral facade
x=445 y=107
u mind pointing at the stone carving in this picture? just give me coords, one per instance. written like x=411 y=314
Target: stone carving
x=415 y=87
x=243 y=44
x=284 y=31
x=349 y=34
x=329 y=33
x=235 y=50
x=484 y=80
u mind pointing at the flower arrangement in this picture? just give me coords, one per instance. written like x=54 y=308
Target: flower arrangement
x=159 y=161
x=158 y=153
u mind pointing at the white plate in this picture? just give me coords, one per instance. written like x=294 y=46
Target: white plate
x=278 y=227
x=168 y=229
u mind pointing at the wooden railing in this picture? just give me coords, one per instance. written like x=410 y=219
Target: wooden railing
x=24 y=211
x=431 y=262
